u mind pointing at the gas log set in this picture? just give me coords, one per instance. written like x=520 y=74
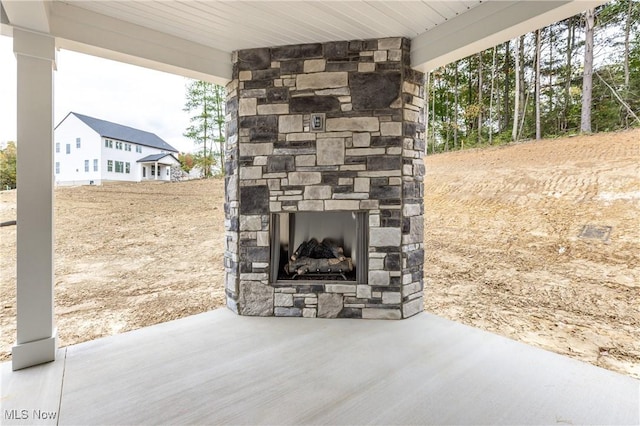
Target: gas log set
x=324 y=258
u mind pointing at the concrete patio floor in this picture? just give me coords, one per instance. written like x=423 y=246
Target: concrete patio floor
x=218 y=368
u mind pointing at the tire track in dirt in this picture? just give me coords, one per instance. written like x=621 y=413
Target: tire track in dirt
x=503 y=250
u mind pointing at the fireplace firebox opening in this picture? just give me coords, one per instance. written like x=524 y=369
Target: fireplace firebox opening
x=319 y=246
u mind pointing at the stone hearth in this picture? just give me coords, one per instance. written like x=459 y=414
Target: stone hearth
x=334 y=127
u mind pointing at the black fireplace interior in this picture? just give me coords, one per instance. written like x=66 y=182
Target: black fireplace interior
x=319 y=246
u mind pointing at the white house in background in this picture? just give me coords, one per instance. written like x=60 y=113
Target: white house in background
x=90 y=151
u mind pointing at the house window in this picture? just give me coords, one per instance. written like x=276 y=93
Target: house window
x=95 y=164
x=118 y=145
x=127 y=147
x=119 y=166
x=139 y=149
x=57 y=167
x=144 y=171
x=68 y=148
x=108 y=143
x=153 y=170
x=77 y=142
x=127 y=167
x=86 y=165
x=57 y=146
x=167 y=171
x=109 y=165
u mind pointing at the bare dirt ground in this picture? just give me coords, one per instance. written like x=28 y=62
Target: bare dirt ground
x=126 y=256
x=503 y=251
x=502 y=230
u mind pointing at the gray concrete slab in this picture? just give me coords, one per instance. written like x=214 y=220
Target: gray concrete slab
x=218 y=368
x=32 y=396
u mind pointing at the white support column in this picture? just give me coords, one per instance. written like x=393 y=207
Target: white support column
x=36 y=334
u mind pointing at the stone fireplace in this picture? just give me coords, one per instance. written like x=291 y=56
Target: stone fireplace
x=324 y=157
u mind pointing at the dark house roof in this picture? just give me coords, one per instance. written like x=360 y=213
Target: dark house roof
x=107 y=129
x=155 y=157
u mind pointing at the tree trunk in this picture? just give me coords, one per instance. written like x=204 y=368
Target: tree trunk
x=220 y=122
x=619 y=98
x=427 y=93
x=433 y=118
x=469 y=123
x=206 y=127
x=479 y=97
x=446 y=119
x=455 y=108
x=523 y=87
x=587 y=79
x=537 y=83
x=524 y=113
x=516 y=107
x=506 y=99
x=627 y=31
x=497 y=114
x=493 y=76
x=550 y=69
x=569 y=72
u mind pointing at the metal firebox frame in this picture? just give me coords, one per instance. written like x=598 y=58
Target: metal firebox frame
x=362 y=248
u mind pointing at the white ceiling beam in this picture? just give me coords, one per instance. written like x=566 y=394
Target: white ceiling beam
x=488 y=25
x=5 y=28
x=87 y=32
x=30 y=15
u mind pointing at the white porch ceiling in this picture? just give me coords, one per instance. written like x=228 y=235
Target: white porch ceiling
x=196 y=38
x=233 y=25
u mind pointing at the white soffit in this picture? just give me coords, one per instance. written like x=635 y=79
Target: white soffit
x=196 y=38
x=487 y=26
x=234 y=25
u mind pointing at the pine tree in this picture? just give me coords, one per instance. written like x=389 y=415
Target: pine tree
x=219 y=101
x=206 y=100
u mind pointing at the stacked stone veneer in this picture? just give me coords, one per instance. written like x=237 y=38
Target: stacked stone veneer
x=368 y=158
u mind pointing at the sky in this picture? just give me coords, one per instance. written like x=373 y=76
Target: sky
x=125 y=94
